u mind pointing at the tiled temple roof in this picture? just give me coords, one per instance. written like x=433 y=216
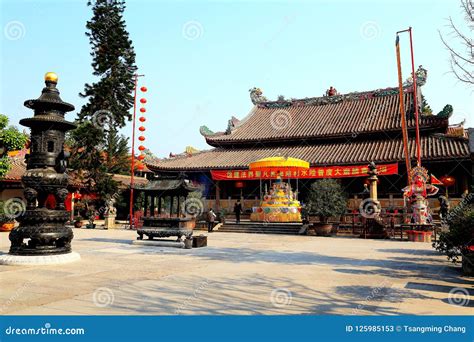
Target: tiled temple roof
x=18 y=168
x=350 y=151
x=315 y=119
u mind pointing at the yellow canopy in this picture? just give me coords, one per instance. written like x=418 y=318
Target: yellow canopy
x=279 y=162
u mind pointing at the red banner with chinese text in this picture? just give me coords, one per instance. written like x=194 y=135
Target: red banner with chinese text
x=313 y=172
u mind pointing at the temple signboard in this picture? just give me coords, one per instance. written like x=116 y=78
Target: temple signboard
x=312 y=172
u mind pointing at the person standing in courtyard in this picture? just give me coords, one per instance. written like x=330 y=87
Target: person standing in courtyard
x=211 y=218
x=237 y=211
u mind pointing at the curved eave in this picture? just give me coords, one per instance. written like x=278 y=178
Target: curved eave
x=436 y=147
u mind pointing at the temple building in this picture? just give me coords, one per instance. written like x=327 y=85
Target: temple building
x=338 y=135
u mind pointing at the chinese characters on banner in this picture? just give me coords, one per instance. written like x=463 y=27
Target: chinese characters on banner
x=313 y=172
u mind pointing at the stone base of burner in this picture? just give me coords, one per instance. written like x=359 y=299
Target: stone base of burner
x=159 y=243
x=25 y=260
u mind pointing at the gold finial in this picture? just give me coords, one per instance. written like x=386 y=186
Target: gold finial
x=51 y=77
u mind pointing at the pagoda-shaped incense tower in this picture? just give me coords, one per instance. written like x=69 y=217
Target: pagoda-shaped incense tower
x=42 y=232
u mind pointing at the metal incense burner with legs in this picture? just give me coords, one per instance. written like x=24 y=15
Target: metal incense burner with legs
x=178 y=219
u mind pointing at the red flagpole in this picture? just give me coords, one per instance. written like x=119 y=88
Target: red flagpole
x=415 y=100
x=402 y=106
x=132 y=167
x=132 y=163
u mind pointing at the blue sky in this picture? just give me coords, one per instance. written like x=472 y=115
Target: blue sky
x=201 y=58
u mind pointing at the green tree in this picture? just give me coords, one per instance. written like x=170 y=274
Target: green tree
x=117 y=158
x=113 y=60
x=11 y=139
x=97 y=149
x=89 y=158
x=455 y=242
x=325 y=199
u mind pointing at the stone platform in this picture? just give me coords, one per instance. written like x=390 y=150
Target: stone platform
x=236 y=274
x=10 y=259
x=159 y=243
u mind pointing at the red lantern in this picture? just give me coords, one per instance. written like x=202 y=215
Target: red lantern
x=143 y=100
x=143 y=110
x=448 y=180
x=141 y=147
x=142 y=129
x=141 y=167
x=239 y=185
x=141 y=138
x=141 y=157
x=142 y=119
x=144 y=89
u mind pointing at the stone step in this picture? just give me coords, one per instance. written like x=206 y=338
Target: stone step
x=271 y=228
x=258 y=232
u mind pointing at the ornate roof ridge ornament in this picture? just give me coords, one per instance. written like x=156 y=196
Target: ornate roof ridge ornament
x=324 y=100
x=446 y=112
x=256 y=95
x=261 y=101
x=421 y=76
x=205 y=131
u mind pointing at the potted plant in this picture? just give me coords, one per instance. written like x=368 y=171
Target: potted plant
x=458 y=241
x=6 y=223
x=325 y=199
x=91 y=215
x=221 y=215
x=78 y=221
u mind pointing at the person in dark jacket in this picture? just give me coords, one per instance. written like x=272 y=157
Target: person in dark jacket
x=237 y=211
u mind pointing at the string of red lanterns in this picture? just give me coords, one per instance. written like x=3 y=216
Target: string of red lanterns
x=142 y=129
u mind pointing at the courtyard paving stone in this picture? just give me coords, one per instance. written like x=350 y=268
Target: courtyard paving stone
x=236 y=274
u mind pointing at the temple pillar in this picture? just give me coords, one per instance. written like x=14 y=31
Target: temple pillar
x=218 y=195
x=373 y=187
x=178 y=211
x=171 y=205
x=152 y=206
x=159 y=206
x=471 y=150
x=145 y=204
